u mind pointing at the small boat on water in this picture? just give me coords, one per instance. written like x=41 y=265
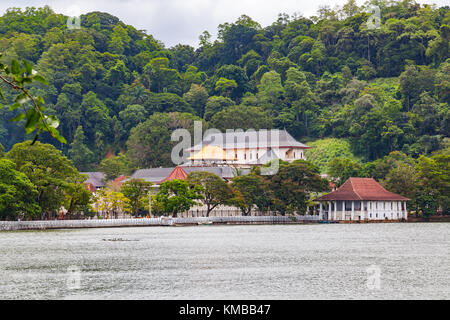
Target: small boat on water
x=327 y=221
x=206 y=223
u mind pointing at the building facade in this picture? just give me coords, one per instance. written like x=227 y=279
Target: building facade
x=362 y=199
x=251 y=148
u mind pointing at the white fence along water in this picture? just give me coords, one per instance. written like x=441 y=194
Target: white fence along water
x=162 y=221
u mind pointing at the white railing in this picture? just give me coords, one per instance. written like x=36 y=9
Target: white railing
x=162 y=221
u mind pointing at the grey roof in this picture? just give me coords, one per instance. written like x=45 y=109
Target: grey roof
x=95 y=178
x=152 y=175
x=223 y=172
x=250 y=139
x=156 y=175
x=265 y=158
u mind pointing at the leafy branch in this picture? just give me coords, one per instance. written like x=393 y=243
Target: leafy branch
x=16 y=76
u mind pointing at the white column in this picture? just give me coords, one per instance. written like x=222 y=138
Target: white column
x=389 y=210
x=362 y=210
x=394 y=210
x=335 y=210
x=375 y=211
x=320 y=210
x=389 y=213
x=379 y=210
x=343 y=210
x=353 y=210
x=386 y=209
x=329 y=211
x=405 y=212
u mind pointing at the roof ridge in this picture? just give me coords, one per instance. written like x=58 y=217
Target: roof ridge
x=354 y=189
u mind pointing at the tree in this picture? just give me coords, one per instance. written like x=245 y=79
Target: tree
x=47 y=168
x=17 y=193
x=251 y=191
x=115 y=166
x=135 y=190
x=413 y=81
x=166 y=102
x=292 y=185
x=270 y=92
x=300 y=95
x=78 y=197
x=379 y=169
x=434 y=177
x=197 y=97
x=175 y=196
x=158 y=77
x=215 y=191
x=402 y=179
x=79 y=153
x=95 y=115
x=112 y=202
x=216 y=104
x=341 y=169
x=150 y=145
x=119 y=40
x=241 y=117
x=225 y=86
x=231 y=80
x=132 y=115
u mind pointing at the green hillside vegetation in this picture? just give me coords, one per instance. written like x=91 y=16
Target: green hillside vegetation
x=375 y=101
x=324 y=150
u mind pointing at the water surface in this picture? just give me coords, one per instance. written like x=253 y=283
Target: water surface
x=337 y=261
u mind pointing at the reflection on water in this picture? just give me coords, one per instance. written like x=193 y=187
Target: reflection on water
x=369 y=261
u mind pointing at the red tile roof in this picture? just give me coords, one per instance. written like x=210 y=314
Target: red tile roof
x=362 y=189
x=177 y=173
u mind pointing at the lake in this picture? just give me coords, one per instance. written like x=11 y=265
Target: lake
x=317 y=261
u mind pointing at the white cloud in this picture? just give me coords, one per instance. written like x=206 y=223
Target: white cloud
x=182 y=21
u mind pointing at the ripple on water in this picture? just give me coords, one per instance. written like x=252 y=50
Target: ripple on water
x=228 y=262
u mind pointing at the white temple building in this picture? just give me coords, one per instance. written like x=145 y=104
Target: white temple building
x=362 y=199
x=250 y=148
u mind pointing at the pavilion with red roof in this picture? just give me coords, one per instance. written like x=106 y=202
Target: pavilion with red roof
x=362 y=199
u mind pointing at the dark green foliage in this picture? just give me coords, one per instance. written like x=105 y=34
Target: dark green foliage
x=292 y=185
x=49 y=170
x=150 y=145
x=215 y=191
x=328 y=76
x=176 y=196
x=17 y=193
x=135 y=190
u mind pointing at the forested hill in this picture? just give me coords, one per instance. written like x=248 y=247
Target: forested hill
x=118 y=89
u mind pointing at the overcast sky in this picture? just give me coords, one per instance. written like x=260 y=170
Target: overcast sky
x=182 y=21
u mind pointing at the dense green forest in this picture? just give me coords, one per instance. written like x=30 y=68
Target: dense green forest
x=371 y=102
x=118 y=89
